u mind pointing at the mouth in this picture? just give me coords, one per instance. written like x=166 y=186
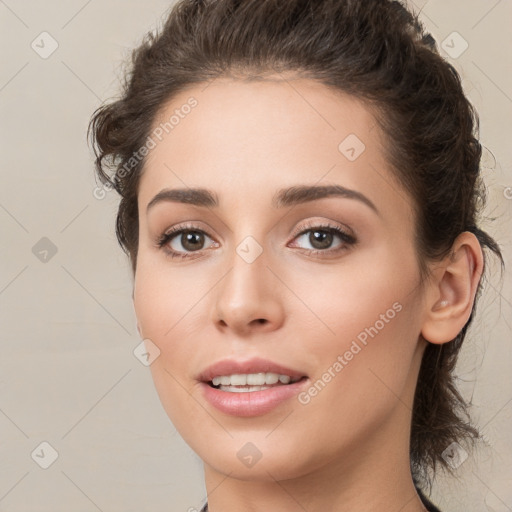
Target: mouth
x=249 y=388
x=250 y=382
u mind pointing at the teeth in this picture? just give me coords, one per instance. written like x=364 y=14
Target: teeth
x=257 y=379
x=270 y=378
x=252 y=379
x=245 y=389
x=238 y=380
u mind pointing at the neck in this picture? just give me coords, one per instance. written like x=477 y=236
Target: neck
x=373 y=477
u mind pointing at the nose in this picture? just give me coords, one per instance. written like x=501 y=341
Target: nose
x=248 y=299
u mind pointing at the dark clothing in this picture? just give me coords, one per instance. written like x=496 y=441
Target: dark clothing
x=428 y=504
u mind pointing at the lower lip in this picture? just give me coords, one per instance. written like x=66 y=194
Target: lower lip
x=251 y=403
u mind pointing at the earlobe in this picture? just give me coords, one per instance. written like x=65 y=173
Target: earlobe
x=452 y=290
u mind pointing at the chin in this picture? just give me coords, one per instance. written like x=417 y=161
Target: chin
x=260 y=459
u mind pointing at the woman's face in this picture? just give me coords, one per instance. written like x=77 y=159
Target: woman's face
x=274 y=273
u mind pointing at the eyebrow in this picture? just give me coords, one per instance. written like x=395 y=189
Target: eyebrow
x=284 y=197
x=303 y=193
x=195 y=196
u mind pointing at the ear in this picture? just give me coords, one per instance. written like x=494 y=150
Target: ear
x=452 y=290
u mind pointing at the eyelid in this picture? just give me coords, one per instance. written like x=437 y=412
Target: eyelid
x=346 y=235
x=184 y=226
x=169 y=234
x=323 y=225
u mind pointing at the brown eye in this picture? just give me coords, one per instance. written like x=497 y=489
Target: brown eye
x=183 y=241
x=320 y=239
x=191 y=240
x=324 y=239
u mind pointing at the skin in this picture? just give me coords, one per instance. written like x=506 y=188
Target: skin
x=347 y=449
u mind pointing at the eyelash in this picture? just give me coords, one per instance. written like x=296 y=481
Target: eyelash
x=347 y=239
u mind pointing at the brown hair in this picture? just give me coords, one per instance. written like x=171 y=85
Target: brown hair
x=378 y=52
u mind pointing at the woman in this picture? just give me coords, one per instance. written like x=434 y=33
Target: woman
x=299 y=185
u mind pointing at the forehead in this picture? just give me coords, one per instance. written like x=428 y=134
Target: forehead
x=238 y=136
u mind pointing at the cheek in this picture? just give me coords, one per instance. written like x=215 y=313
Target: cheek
x=368 y=370
x=363 y=352
x=164 y=302
x=171 y=311
x=362 y=299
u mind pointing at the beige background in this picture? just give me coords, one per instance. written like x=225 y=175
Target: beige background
x=68 y=375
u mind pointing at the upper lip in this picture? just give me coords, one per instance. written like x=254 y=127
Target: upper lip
x=256 y=365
